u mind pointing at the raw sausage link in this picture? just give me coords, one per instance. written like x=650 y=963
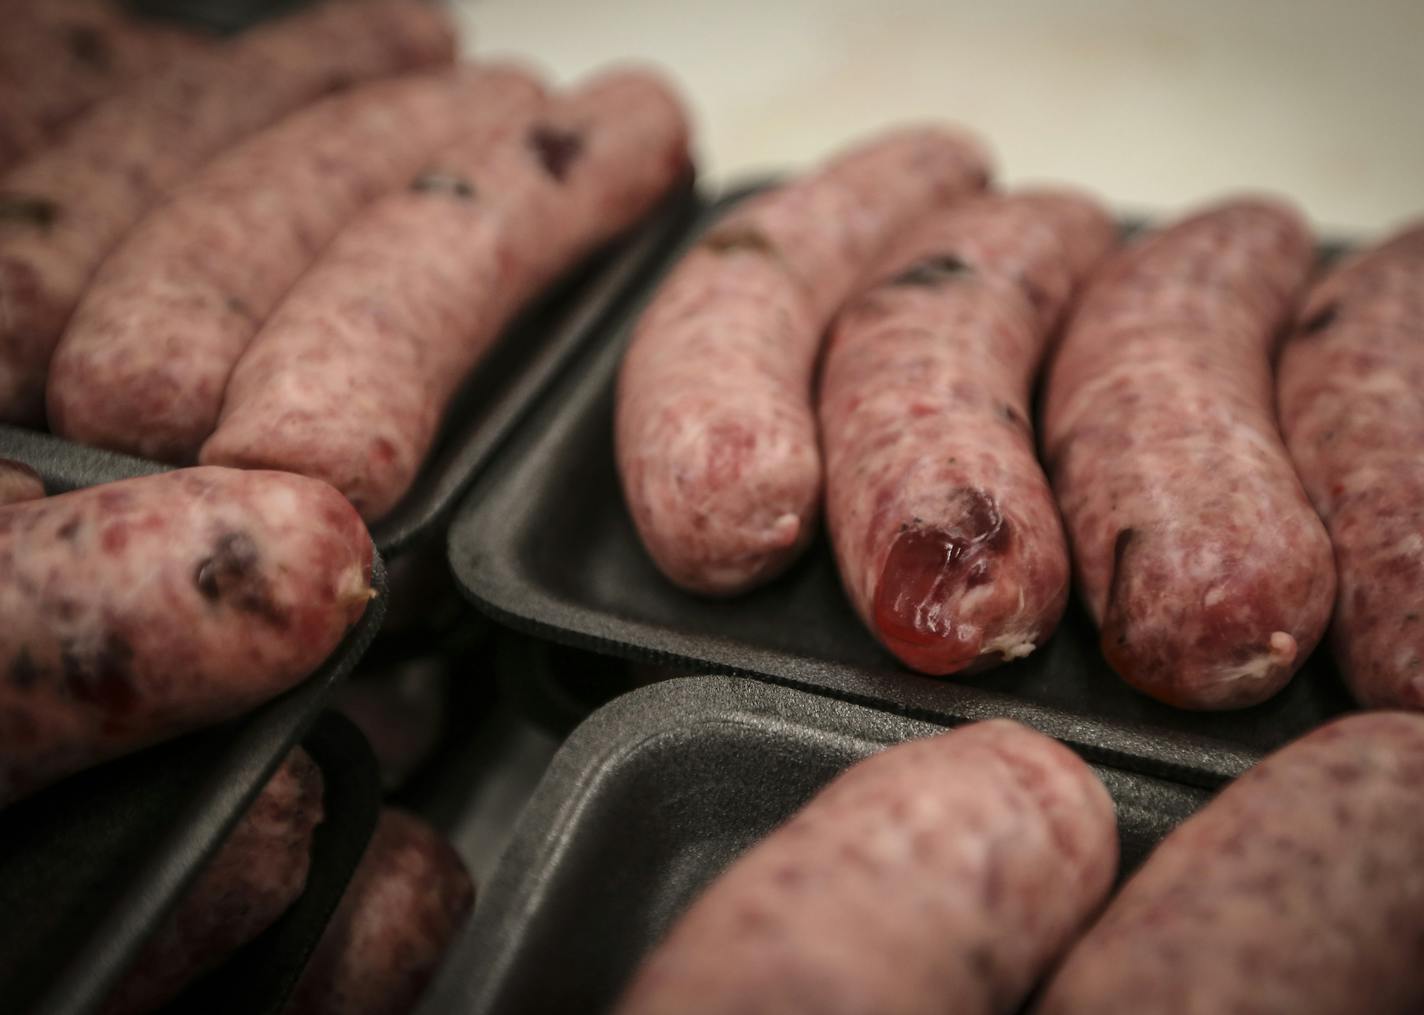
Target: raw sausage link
x=1196 y=549
x=1349 y=386
x=64 y=209
x=945 y=530
x=170 y=312
x=257 y=873
x=1296 y=890
x=19 y=482
x=408 y=899
x=60 y=56
x=140 y=609
x=716 y=432
x=942 y=875
x=349 y=378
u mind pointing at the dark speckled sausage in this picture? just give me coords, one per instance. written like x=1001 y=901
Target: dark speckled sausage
x=349 y=378
x=138 y=610
x=1350 y=383
x=63 y=209
x=1297 y=890
x=408 y=899
x=19 y=482
x=942 y=875
x=715 y=426
x=946 y=533
x=170 y=312
x=1195 y=547
x=255 y=875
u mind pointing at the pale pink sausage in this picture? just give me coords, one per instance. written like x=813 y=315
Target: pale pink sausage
x=257 y=873
x=138 y=610
x=63 y=210
x=144 y=362
x=945 y=530
x=350 y=377
x=715 y=429
x=1195 y=547
x=942 y=875
x=1349 y=389
x=1297 y=890
x=408 y=899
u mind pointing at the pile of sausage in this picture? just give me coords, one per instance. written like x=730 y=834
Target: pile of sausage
x=287 y=250
x=139 y=610
x=409 y=895
x=872 y=333
x=280 y=252
x=963 y=872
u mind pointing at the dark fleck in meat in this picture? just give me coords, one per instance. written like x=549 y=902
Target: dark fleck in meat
x=90 y=48
x=20 y=209
x=444 y=183
x=557 y=149
x=932 y=271
x=233 y=575
x=1319 y=321
x=739 y=238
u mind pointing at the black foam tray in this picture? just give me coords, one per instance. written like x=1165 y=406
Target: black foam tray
x=651 y=798
x=544 y=543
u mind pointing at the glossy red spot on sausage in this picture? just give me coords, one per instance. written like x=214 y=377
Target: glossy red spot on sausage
x=928 y=565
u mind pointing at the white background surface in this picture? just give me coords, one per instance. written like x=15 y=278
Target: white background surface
x=1153 y=104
